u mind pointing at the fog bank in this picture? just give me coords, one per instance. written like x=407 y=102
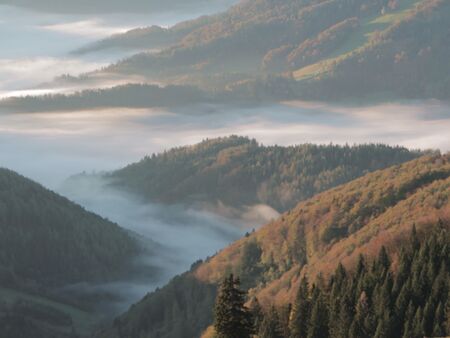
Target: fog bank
x=50 y=147
x=175 y=237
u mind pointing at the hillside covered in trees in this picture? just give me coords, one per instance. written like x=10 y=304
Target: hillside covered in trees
x=374 y=300
x=48 y=241
x=263 y=50
x=375 y=212
x=321 y=49
x=126 y=96
x=238 y=171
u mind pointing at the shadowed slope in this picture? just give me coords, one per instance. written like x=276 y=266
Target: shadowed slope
x=46 y=240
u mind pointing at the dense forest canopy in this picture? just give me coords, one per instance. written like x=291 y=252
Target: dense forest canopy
x=377 y=299
x=126 y=96
x=238 y=171
x=332 y=228
x=48 y=241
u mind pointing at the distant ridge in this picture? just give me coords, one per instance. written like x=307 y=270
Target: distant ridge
x=316 y=50
x=237 y=171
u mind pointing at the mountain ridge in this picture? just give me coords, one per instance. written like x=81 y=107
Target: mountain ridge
x=237 y=171
x=270 y=260
x=372 y=49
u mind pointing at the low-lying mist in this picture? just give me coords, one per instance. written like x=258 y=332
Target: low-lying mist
x=175 y=237
x=51 y=147
x=41 y=35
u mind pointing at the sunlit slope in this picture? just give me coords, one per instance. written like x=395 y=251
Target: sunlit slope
x=339 y=224
x=402 y=54
x=280 y=50
x=335 y=226
x=230 y=47
x=358 y=39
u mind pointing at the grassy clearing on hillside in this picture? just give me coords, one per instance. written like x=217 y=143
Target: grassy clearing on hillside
x=357 y=40
x=83 y=321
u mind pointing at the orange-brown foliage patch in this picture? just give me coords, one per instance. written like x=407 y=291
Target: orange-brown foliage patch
x=359 y=218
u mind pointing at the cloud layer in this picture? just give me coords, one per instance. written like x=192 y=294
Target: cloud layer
x=92 y=28
x=52 y=146
x=114 y=6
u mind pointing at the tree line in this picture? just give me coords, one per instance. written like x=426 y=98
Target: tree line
x=239 y=171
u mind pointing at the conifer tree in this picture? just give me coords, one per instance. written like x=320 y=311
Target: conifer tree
x=417 y=329
x=257 y=314
x=337 y=282
x=358 y=328
x=361 y=266
x=383 y=259
x=439 y=321
x=407 y=320
x=387 y=325
x=232 y=318
x=301 y=311
x=345 y=316
x=318 y=324
x=270 y=327
x=415 y=243
x=284 y=314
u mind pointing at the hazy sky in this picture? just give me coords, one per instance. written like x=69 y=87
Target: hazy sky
x=50 y=147
x=36 y=45
x=118 y=6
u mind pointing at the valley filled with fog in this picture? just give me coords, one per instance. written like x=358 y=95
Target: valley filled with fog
x=51 y=147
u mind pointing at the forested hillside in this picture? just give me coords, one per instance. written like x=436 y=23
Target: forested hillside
x=48 y=241
x=332 y=49
x=238 y=171
x=126 y=96
x=230 y=47
x=337 y=226
x=376 y=299
x=275 y=50
x=404 y=58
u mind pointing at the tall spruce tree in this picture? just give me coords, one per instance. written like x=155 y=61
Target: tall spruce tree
x=232 y=318
x=301 y=311
x=270 y=327
x=358 y=327
x=257 y=314
x=318 y=323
